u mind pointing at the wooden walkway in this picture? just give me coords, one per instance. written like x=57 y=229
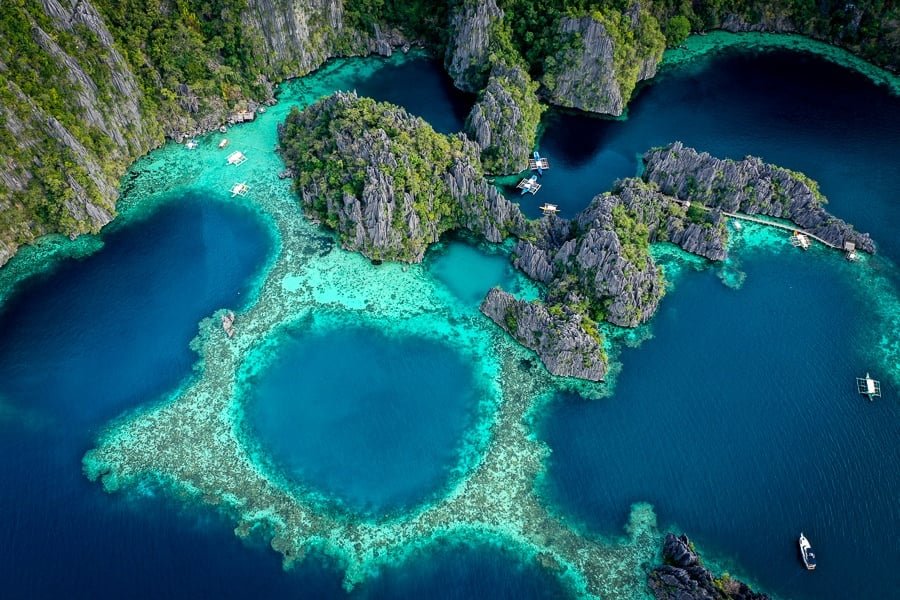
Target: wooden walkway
x=743 y=217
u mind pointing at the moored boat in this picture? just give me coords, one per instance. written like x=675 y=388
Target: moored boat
x=809 y=559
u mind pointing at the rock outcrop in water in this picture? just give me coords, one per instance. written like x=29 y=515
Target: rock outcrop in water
x=749 y=186
x=566 y=342
x=683 y=577
x=387 y=182
x=504 y=121
x=606 y=55
x=601 y=261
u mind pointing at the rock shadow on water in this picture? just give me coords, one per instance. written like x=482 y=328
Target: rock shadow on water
x=373 y=422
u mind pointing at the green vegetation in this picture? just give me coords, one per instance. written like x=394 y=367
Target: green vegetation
x=678 y=28
x=207 y=48
x=633 y=235
x=513 y=132
x=420 y=19
x=323 y=145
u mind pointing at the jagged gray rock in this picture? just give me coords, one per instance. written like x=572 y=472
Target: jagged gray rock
x=504 y=120
x=560 y=340
x=586 y=73
x=683 y=577
x=468 y=48
x=387 y=202
x=588 y=261
x=749 y=186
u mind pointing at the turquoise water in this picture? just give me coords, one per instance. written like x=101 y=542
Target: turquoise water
x=375 y=421
x=737 y=420
x=468 y=269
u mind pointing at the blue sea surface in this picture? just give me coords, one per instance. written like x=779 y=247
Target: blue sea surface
x=738 y=420
x=377 y=421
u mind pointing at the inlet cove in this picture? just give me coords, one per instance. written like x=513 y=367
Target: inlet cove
x=335 y=351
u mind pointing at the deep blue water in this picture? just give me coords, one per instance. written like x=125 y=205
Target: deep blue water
x=739 y=421
x=381 y=436
x=425 y=91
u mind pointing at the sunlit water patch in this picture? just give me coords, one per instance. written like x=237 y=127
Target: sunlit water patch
x=469 y=270
x=373 y=419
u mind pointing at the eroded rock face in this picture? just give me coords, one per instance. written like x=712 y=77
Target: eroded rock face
x=586 y=73
x=393 y=194
x=560 y=340
x=749 y=186
x=468 y=48
x=504 y=121
x=683 y=577
x=588 y=260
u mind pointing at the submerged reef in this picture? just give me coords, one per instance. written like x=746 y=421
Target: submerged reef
x=387 y=182
x=196 y=443
x=683 y=577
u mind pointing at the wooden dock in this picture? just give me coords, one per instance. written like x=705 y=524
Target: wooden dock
x=786 y=227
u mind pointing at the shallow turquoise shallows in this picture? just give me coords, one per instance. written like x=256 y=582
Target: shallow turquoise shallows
x=737 y=417
x=377 y=421
x=468 y=269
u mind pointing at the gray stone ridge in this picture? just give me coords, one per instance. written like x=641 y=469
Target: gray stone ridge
x=560 y=341
x=588 y=260
x=748 y=186
x=586 y=75
x=468 y=49
x=683 y=577
x=386 y=219
x=498 y=122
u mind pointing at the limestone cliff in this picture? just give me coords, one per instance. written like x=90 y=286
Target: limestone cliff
x=469 y=41
x=387 y=182
x=62 y=157
x=602 y=258
x=605 y=56
x=505 y=119
x=683 y=577
x=749 y=186
x=88 y=86
x=566 y=342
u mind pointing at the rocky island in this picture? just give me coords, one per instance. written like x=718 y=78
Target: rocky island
x=387 y=182
x=683 y=576
x=390 y=186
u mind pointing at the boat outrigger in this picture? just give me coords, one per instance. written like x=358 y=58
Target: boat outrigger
x=538 y=164
x=529 y=185
x=809 y=559
x=868 y=387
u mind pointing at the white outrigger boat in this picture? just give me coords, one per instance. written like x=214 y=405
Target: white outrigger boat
x=809 y=559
